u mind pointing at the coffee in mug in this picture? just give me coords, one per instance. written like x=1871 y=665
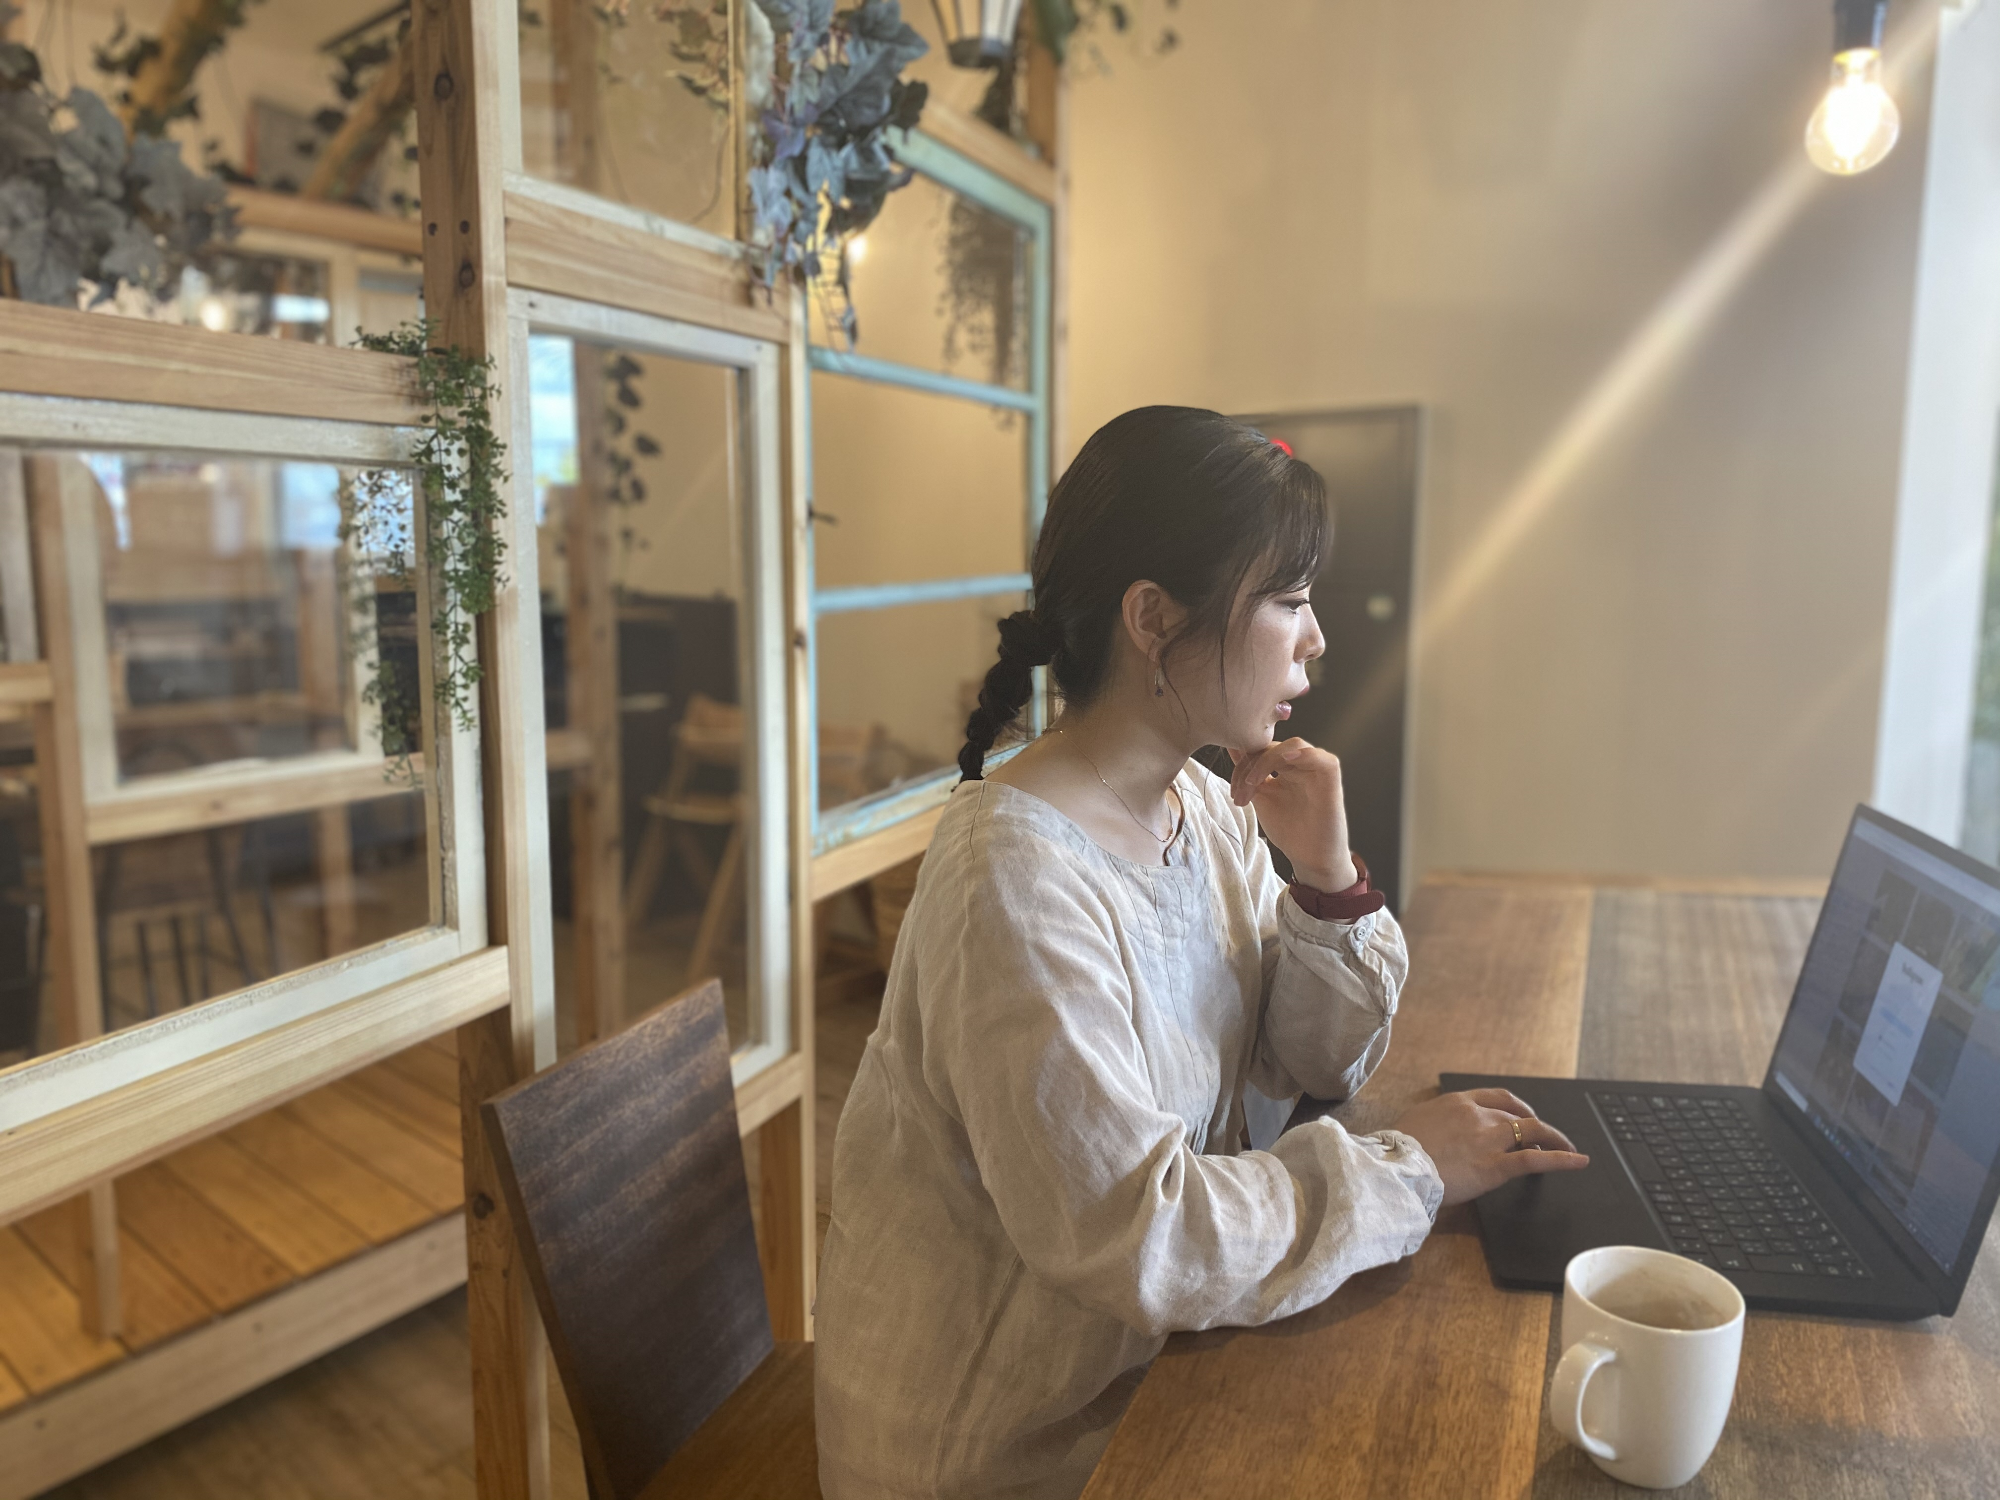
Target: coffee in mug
x=1650 y=1347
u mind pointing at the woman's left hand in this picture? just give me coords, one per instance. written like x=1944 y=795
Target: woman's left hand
x=1296 y=789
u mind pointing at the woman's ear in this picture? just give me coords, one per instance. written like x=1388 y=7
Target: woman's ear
x=1151 y=616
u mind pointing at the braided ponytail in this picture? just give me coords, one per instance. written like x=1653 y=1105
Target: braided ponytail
x=1191 y=500
x=1025 y=643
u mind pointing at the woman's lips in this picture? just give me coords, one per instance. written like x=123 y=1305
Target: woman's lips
x=1284 y=710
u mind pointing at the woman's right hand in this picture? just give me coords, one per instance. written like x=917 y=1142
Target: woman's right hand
x=1471 y=1139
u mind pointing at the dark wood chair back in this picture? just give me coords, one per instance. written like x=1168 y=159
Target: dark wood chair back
x=624 y=1172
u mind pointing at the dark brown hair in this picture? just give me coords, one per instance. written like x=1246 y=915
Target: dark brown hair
x=1188 y=498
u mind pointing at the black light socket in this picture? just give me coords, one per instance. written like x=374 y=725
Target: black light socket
x=1858 y=23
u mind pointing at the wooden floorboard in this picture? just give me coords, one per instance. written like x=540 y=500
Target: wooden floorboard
x=41 y=1328
x=215 y=1257
x=157 y=1302
x=429 y=1173
x=216 y=1226
x=346 y=1184
x=409 y=1104
x=12 y=1392
x=391 y=1413
x=428 y=1068
x=290 y=1225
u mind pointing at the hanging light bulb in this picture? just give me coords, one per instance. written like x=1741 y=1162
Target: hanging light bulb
x=1856 y=123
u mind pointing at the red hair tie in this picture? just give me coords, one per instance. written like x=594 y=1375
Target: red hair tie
x=1281 y=443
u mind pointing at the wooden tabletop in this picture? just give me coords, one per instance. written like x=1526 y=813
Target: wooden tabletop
x=1424 y=1379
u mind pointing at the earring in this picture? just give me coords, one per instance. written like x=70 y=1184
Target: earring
x=1159 y=682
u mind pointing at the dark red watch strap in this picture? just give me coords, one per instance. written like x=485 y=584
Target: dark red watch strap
x=1357 y=900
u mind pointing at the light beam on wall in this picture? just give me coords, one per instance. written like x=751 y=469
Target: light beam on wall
x=1656 y=349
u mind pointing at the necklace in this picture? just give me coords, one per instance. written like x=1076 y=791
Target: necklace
x=1179 y=822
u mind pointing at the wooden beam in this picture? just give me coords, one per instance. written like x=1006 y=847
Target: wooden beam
x=339 y=222
x=979 y=142
x=186 y=801
x=63 y=497
x=17 y=574
x=597 y=813
x=464 y=104
x=801 y=1277
x=26 y=682
x=573 y=254
x=567 y=749
x=89 y=1422
x=1049 y=128
x=68 y=888
x=46 y=351
x=46 y=1159
x=850 y=864
x=784 y=1183
x=761 y=1098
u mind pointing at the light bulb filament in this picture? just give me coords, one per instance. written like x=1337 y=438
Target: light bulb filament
x=1857 y=122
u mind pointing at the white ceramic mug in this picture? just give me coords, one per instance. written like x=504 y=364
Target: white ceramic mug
x=1648 y=1368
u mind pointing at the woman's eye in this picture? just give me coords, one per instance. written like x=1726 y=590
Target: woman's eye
x=1295 y=605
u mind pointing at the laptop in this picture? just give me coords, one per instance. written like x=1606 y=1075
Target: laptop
x=1860 y=1178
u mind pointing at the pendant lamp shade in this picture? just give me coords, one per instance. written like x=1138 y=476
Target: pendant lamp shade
x=977 y=33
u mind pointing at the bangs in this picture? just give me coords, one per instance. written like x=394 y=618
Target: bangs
x=1297 y=531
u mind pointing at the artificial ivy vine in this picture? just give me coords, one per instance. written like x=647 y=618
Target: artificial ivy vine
x=460 y=486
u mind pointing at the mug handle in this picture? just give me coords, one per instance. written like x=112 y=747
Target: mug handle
x=1579 y=1362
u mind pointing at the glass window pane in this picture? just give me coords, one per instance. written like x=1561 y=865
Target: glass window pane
x=647 y=446
x=632 y=102
x=896 y=687
x=940 y=283
x=229 y=605
x=189 y=916
x=193 y=915
x=911 y=486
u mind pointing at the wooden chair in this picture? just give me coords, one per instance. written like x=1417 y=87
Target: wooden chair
x=624 y=1172
x=710 y=737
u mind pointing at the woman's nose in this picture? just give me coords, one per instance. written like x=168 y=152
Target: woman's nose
x=1310 y=639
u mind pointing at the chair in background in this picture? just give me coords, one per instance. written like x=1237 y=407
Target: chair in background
x=708 y=742
x=708 y=739
x=623 y=1169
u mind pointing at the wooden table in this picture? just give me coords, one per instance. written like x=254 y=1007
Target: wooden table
x=1423 y=1379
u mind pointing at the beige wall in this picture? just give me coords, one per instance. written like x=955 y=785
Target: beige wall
x=1664 y=363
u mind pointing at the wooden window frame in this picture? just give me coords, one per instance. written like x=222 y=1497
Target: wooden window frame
x=900 y=819
x=388 y=993
x=756 y=366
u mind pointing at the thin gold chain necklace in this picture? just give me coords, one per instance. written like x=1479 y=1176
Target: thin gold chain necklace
x=1179 y=823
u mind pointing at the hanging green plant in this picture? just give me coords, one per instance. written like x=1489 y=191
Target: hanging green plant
x=823 y=169
x=460 y=483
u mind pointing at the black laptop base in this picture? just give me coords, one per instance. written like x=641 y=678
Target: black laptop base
x=1534 y=1225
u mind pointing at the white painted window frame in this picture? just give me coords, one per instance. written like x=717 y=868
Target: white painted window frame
x=762 y=640
x=41 y=1087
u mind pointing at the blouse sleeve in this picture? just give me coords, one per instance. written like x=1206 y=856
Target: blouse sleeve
x=1029 y=1043
x=1330 y=987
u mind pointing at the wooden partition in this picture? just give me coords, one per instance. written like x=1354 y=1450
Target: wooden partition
x=196 y=1202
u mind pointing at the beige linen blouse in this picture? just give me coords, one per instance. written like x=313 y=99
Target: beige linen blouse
x=1040 y=1170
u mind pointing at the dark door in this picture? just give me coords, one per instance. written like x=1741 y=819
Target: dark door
x=1358 y=706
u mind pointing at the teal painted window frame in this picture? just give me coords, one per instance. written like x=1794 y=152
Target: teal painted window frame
x=960 y=174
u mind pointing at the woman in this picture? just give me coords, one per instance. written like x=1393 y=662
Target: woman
x=1041 y=1170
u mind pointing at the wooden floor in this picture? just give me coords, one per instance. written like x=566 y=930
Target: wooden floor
x=391 y=1414
x=232 y=1219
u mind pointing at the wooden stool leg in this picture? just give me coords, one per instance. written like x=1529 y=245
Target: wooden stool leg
x=647 y=867
x=722 y=897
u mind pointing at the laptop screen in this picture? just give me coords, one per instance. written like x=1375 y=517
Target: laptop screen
x=1892 y=1045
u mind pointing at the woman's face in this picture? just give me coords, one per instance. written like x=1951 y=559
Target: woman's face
x=1270 y=641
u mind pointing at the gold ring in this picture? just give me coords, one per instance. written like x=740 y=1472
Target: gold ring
x=1517 y=1134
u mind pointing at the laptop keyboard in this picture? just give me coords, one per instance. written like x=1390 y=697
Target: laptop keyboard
x=1719 y=1193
